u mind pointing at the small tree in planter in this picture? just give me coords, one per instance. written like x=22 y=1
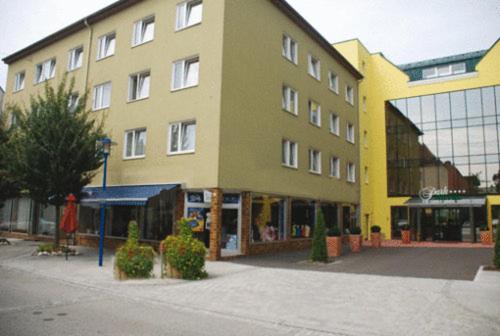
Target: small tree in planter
x=485 y=234
x=406 y=234
x=134 y=260
x=184 y=256
x=334 y=242
x=376 y=236
x=355 y=239
x=319 y=251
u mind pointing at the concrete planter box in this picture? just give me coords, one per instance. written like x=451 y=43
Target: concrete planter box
x=485 y=237
x=355 y=243
x=334 y=246
x=376 y=239
x=406 y=236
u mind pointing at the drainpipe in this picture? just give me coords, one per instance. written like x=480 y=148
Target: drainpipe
x=91 y=33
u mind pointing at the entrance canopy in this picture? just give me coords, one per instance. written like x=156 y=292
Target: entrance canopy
x=136 y=195
x=462 y=202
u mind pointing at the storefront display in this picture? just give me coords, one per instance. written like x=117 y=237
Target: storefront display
x=303 y=217
x=268 y=218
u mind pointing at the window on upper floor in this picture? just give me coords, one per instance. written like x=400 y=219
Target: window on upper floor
x=314 y=161
x=106 y=46
x=366 y=175
x=189 y=13
x=314 y=113
x=45 y=70
x=351 y=172
x=19 y=81
x=75 y=58
x=289 y=153
x=364 y=103
x=185 y=73
x=101 y=96
x=350 y=133
x=182 y=137
x=290 y=49
x=144 y=31
x=443 y=70
x=349 y=94
x=333 y=82
x=138 y=85
x=334 y=167
x=290 y=100
x=365 y=138
x=314 y=67
x=135 y=144
x=334 y=124
x=73 y=101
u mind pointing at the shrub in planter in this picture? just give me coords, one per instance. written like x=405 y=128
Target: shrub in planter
x=485 y=235
x=334 y=242
x=355 y=239
x=319 y=251
x=406 y=234
x=376 y=236
x=134 y=260
x=184 y=255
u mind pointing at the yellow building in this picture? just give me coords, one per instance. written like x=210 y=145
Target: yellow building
x=455 y=102
x=235 y=113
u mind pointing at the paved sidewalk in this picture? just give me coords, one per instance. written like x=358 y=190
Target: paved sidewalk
x=304 y=302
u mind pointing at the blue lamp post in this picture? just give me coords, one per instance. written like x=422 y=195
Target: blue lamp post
x=106 y=149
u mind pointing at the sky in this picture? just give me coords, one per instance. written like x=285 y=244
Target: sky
x=404 y=30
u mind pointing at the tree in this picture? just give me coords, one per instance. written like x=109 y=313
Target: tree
x=9 y=187
x=319 y=251
x=55 y=145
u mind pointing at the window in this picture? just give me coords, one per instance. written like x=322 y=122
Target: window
x=333 y=80
x=314 y=67
x=335 y=167
x=135 y=144
x=106 y=46
x=444 y=70
x=144 y=31
x=289 y=153
x=268 y=218
x=314 y=113
x=290 y=100
x=349 y=95
x=334 y=124
x=73 y=102
x=45 y=71
x=19 y=81
x=365 y=139
x=366 y=175
x=290 y=49
x=351 y=172
x=185 y=73
x=182 y=137
x=314 y=161
x=138 y=87
x=189 y=13
x=75 y=58
x=364 y=104
x=102 y=96
x=350 y=133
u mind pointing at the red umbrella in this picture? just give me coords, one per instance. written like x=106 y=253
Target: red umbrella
x=69 y=222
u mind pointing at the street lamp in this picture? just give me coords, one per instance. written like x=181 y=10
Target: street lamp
x=106 y=150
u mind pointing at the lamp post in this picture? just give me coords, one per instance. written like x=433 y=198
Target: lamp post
x=106 y=149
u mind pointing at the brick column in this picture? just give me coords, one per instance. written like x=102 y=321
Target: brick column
x=215 y=225
x=246 y=210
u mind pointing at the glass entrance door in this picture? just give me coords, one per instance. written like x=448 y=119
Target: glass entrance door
x=452 y=224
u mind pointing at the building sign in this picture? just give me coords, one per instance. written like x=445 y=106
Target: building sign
x=430 y=193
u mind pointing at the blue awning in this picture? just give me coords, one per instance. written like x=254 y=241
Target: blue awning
x=136 y=195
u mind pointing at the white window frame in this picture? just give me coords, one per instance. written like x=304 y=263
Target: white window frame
x=334 y=124
x=101 y=105
x=335 y=168
x=139 y=31
x=286 y=158
x=350 y=136
x=104 y=44
x=137 y=77
x=351 y=172
x=179 y=138
x=73 y=62
x=41 y=72
x=182 y=63
x=309 y=108
x=18 y=83
x=312 y=157
x=435 y=70
x=73 y=101
x=314 y=65
x=136 y=132
x=349 y=94
x=286 y=99
x=290 y=49
x=333 y=81
x=182 y=15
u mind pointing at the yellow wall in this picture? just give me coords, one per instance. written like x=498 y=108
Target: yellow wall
x=384 y=81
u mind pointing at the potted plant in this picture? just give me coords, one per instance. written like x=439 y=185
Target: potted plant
x=376 y=236
x=334 y=242
x=355 y=239
x=485 y=234
x=406 y=234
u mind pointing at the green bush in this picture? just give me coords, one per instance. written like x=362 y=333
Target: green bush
x=334 y=231
x=185 y=253
x=319 y=251
x=355 y=230
x=496 y=258
x=47 y=247
x=133 y=259
x=375 y=229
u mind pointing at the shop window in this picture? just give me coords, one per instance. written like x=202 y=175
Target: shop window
x=88 y=219
x=268 y=218
x=46 y=220
x=159 y=217
x=5 y=214
x=330 y=214
x=303 y=217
